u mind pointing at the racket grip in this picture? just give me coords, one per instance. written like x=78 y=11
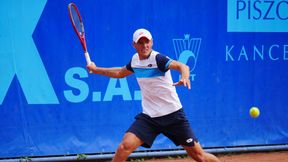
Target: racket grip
x=88 y=60
x=87 y=57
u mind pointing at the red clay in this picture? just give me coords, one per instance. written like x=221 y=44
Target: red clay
x=243 y=157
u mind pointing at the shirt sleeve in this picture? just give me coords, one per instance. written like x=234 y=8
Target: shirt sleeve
x=163 y=62
x=129 y=67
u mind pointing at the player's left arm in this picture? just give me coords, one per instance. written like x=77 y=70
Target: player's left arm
x=184 y=71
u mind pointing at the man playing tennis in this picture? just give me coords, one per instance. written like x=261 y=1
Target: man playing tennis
x=162 y=110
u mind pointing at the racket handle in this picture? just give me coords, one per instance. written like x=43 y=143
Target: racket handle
x=87 y=57
x=88 y=60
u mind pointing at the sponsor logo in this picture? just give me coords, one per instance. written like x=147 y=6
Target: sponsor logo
x=187 y=51
x=273 y=52
x=189 y=140
x=23 y=62
x=257 y=15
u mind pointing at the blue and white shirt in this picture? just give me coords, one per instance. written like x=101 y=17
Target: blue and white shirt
x=159 y=96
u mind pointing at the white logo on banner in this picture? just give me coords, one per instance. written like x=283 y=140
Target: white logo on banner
x=187 y=51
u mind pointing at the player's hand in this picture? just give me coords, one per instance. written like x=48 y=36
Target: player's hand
x=183 y=81
x=90 y=67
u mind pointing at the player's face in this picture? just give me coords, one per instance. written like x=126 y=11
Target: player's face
x=143 y=47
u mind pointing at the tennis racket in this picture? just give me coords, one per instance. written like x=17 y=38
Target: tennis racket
x=78 y=26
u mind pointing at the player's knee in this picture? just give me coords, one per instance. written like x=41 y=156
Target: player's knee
x=126 y=147
x=200 y=157
x=205 y=157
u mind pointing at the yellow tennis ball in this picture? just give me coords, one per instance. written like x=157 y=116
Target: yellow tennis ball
x=254 y=112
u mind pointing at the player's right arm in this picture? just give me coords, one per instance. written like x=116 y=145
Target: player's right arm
x=117 y=72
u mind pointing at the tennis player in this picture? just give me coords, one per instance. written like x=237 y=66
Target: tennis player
x=162 y=109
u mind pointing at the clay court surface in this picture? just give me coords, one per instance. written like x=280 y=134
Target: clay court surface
x=281 y=156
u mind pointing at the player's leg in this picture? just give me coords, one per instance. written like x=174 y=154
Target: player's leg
x=129 y=143
x=141 y=132
x=177 y=129
x=197 y=153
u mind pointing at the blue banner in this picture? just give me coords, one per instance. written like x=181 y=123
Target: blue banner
x=237 y=51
